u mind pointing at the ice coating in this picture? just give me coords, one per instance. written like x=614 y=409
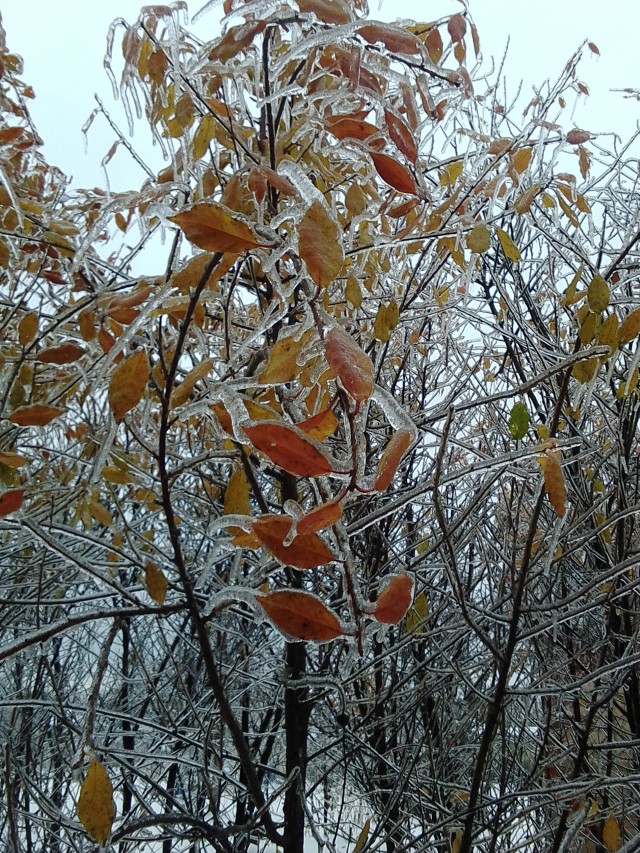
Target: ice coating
x=350 y=363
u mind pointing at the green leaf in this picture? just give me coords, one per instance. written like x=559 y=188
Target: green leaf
x=518 y=421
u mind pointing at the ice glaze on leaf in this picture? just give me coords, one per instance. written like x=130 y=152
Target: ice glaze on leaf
x=289 y=449
x=598 y=294
x=215 y=228
x=479 y=239
x=155 y=582
x=320 y=244
x=236 y=496
x=394 y=599
x=320 y=426
x=128 y=384
x=323 y=516
x=36 y=415
x=391 y=458
x=96 y=808
x=554 y=481
x=11 y=501
x=394 y=173
x=301 y=615
x=350 y=364
x=630 y=327
x=509 y=248
x=518 y=421
x=307 y=551
x=62 y=354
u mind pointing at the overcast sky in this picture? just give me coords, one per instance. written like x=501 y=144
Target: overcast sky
x=63 y=45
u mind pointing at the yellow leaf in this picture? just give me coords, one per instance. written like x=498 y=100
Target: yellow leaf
x=509 y=248
x=320 y=245
x=598 y=294
x=630 y=327
x=479 y=239
x=451 y=172
x=283 y=365
x=386 y=320
x=215 y=228
x=352 y=292
x=28 y=328
x=611 y=836
x=100 y=513
x=521 y=160
x=155 y=582
x=609 y=334
x=96 y=808
x=361 y=840
x=128 y=384
x=524 y=201
x=236 y=497
x=182 y=393
x=203 y=136
x=417 y=614
x=584 y=370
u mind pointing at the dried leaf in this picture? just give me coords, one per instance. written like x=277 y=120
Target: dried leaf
x=401 y=134
x=350 y=127
x=350 y=364
x=598 y=294
x=352 y=292
x=386 y=320
x=14 y=460
x=28 y=328
x=394 y=173
x=577 y=137
x=329 y=11
x=524 y=201
x=62 y=354
x=521 y=160
x=457 y=27
x=395 y=39
x=391 y=458
x=630 y=327
x=301 y=615
x=394 y=599
x=11 y=501
x=509 y=248
x=584 y=162
x=36 y=415
x=289 y=449
x=183 y=391
x=434 y=45
x=611 y=835
x=96 y=808
x=583 y=371
x=156 y=582
x=128 y=384
x=554 y=481
x=479 y=238
x=282 y=365
x=215 y=228
x=236 y=496
x=307 y=551
x=609 y=334
x=320 y=244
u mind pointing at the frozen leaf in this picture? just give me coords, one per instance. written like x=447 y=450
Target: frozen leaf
x=457 y=27
x=28 y=328
x=289 y=449
x=323 y=516
x=583 y=371
x=350 y=127
x=433 y=43
x=11 y=459
x=554 y=481
x=609 y=334
x=128 y=384
x=598 y=294
x=301 y=615
x=156 y=582
x=479 y=239
x=395 y=39
x=215 y=228
x=611 y=835
x=509 y=248
x=394 y=599
x=282 y=365
x=62 y=354
x=236 y=496
x=386 y=320
x=11 y=501
x=307 y=551
x=329 y=11
x=401 y=134
x=524 y=201
x=320 y=245
x=630 y=327
x=417 y=614
x=350 y=364
x=518 y=421
x=361 y=840
x=577 y=137
x=320 y=426
x=521 y=160
x=391 y=458
x=584 y=162
x=37 y=415
x=96 y=808
x=181 y=394
x=352 y=292
x=394 y=173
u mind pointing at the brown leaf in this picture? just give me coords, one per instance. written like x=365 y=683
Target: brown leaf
x=215 y=228
x=394 y=599
x=329 y=11
x=457 y=27
x=11 y=459
x=62 y=354
x=611 y=835
x=236 y=496
x=391 y=458
x=320 y=245
x=394 y=173
x=630 y=327
x=433 y=43
x=577 y=136
x=96 y=808
x=36 y=415
x=554 y=481
x=128 y=384
x=394 y=38
x=289 y=449
x=301 y=615
x=156 y=582
x=350 y=364
x=307 y=551
x=401 y=135
x=11 y=501
x=27 y=328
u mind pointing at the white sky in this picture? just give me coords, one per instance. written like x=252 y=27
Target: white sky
x=63 y=45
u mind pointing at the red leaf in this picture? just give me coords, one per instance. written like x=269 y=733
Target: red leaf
x=62 y=354
x=11 y=501
x=301 y=615
x=401 y=135
x=394 y=173
x=391 y=458
x=351 y=365
x=289 y=449
x=394 y=599
x=307 y=551
x=323 y=516
x=350 y=127
x=457 y=27
x=577 y=136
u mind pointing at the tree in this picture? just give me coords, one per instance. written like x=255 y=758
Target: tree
x=329 y=526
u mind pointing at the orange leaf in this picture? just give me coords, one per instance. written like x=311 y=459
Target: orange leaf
x=350 y=364
x=215 y=228
x=278 y=182
x=554 y=481
x=62 y=354
x=320 y=245
x=350 y=127
x=329 y=11
x=320 y=426
x=401 y=135
x=289 y=449
x=27 y=328
x=630 y=327
x=323 y=516
x=35 y=415
x=301 y=615
x=394 y=599
x=393 y=38
x=11 y=459
x=11 y=501
x=307 y=551
x=128 y=384
x=155 y=582
x=433 y=43
x=391 y=458
x=457 y=27
x=394 y=173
